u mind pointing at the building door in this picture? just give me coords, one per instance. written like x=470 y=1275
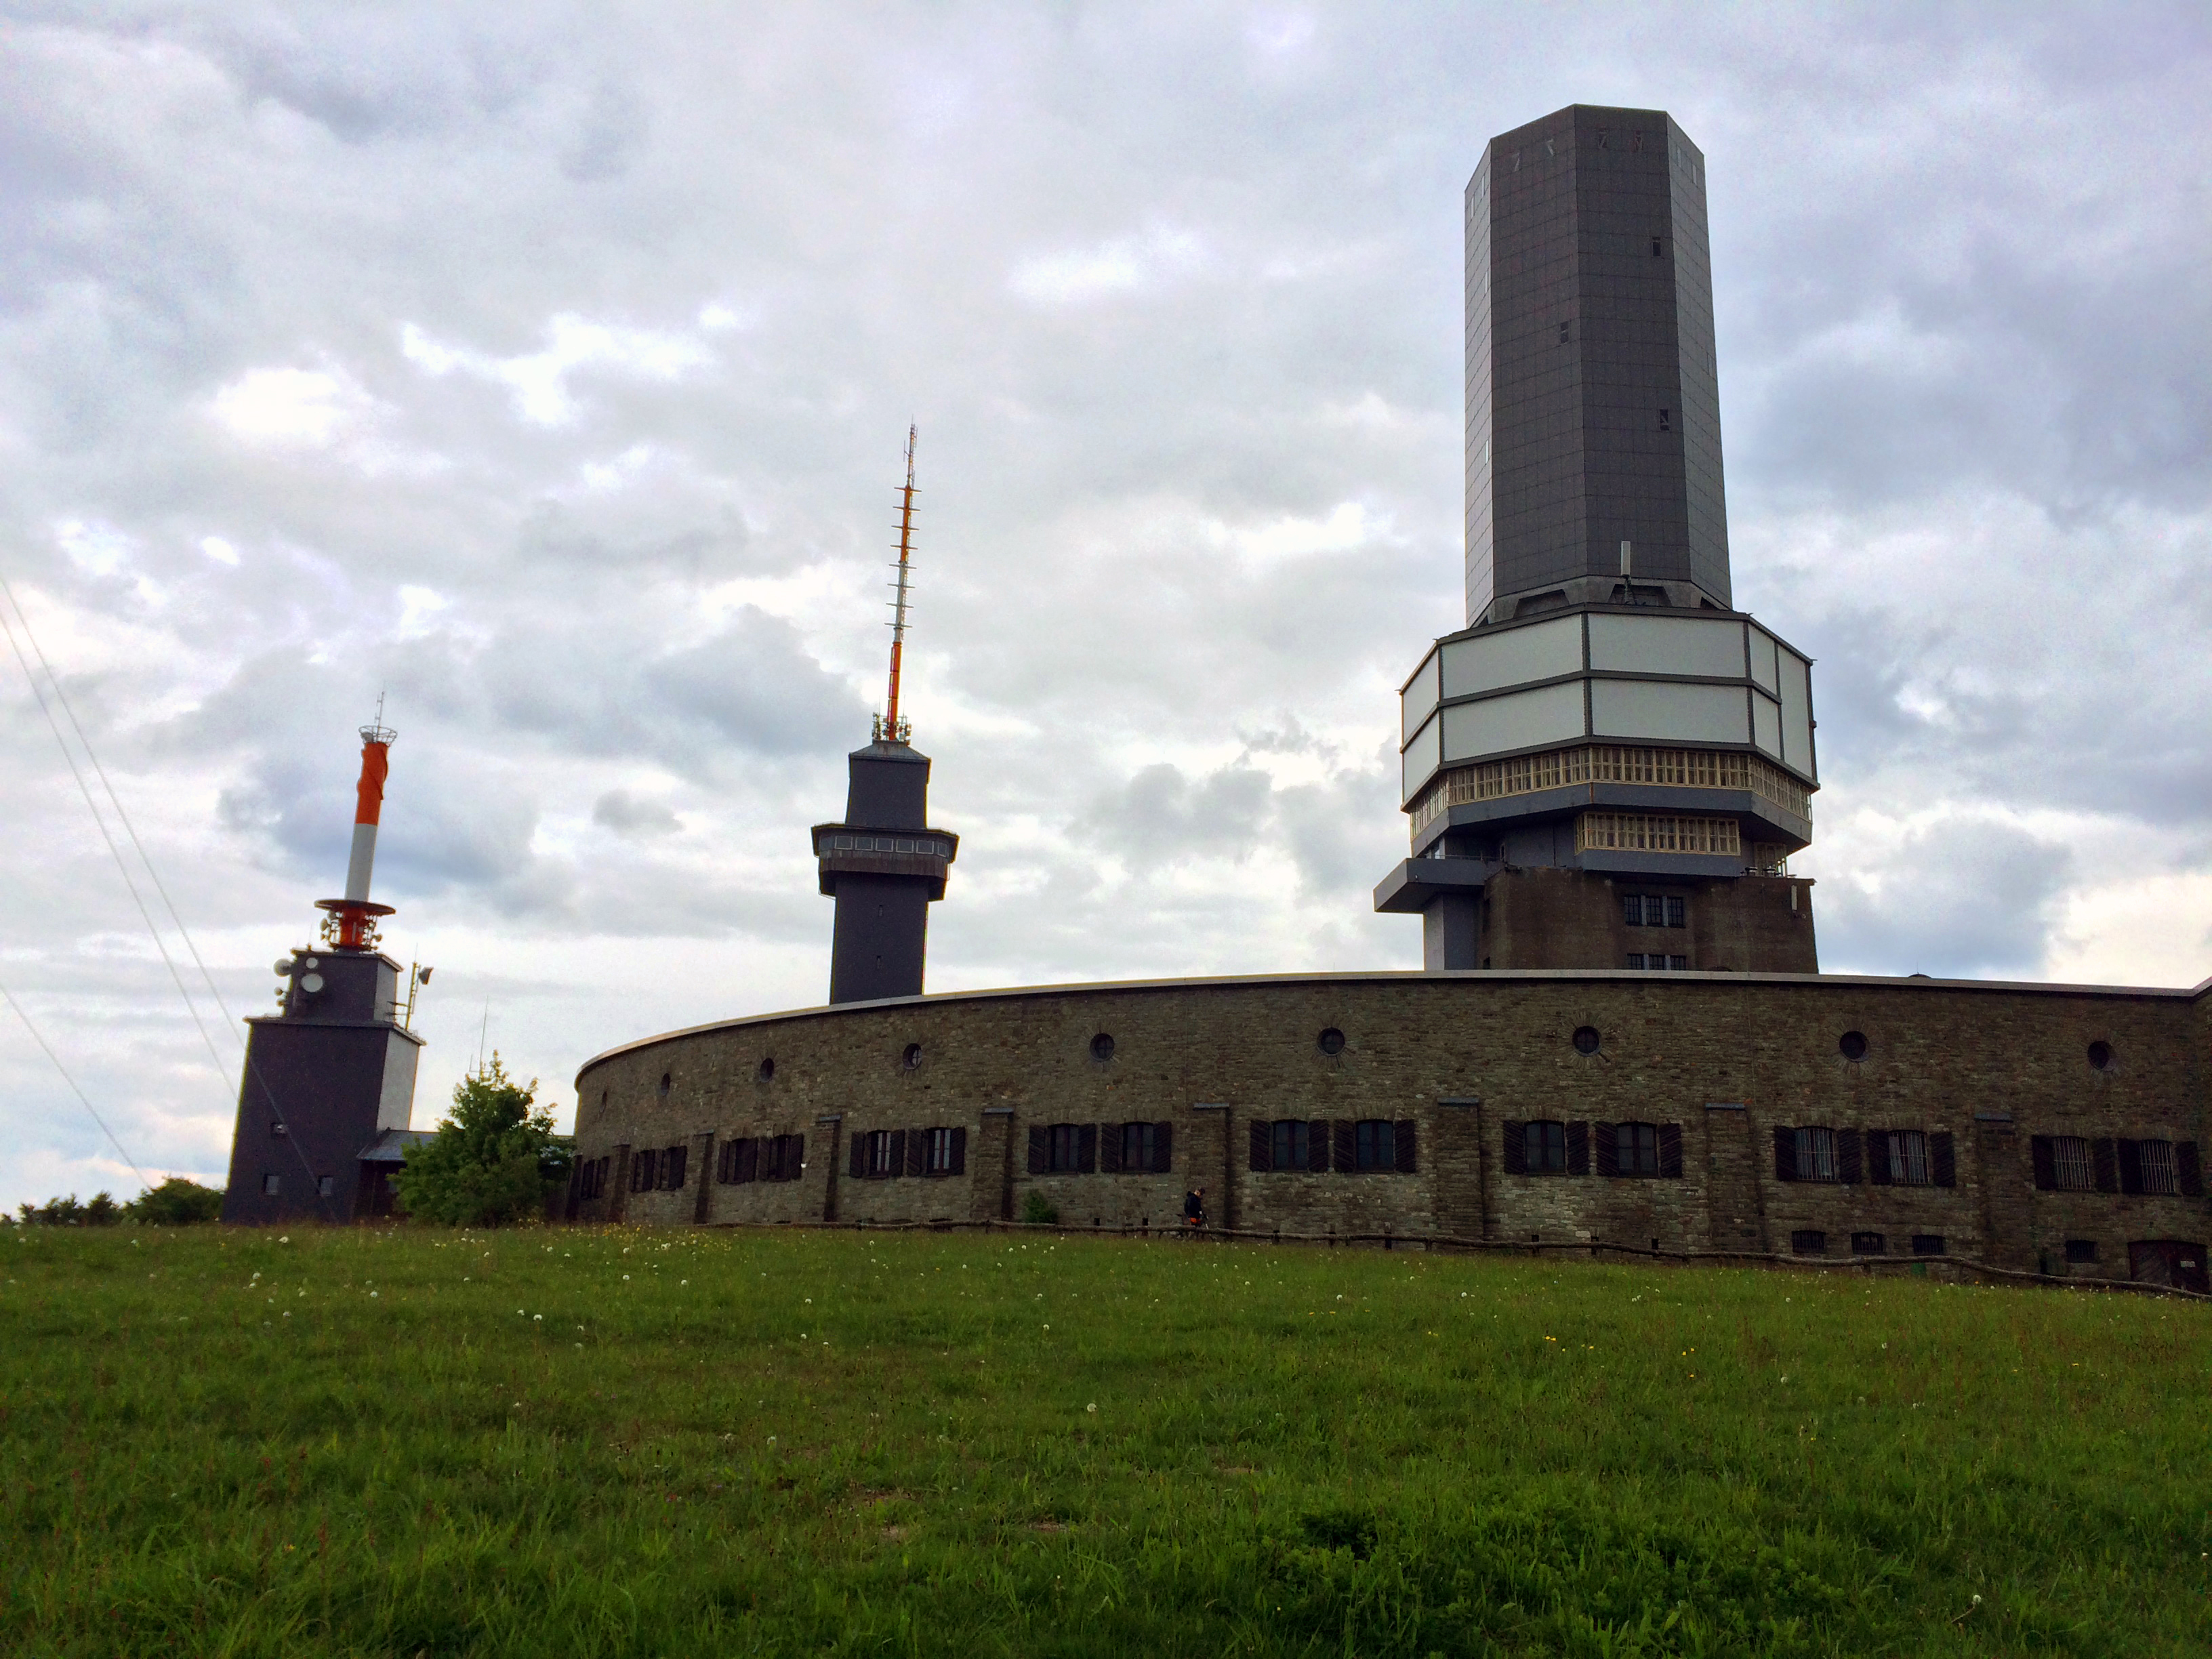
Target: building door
x=2168 y=1261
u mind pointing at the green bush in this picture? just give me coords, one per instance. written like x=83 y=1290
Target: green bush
x=100 y=1211
x=493 y=1161
x=1038 y=1208
x=176 y=1202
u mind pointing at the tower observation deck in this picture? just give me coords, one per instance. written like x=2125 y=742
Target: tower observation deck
x=1609 y=765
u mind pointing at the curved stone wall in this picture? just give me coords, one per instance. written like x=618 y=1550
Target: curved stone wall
x=1715 y=1064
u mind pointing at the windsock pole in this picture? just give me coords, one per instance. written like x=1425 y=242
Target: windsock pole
x=351 y=925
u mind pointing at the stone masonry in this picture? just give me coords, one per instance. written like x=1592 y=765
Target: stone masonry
x=1717 y=1061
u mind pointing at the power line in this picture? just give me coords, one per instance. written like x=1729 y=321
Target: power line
x=84 y=789
x=82 y=1098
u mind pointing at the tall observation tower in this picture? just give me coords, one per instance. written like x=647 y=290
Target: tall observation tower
x=884 y=865
x=1610 y=765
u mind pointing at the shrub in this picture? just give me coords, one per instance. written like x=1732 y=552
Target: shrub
x=100 y=1211
x=176 y=1202
x=1041 y=1210
x=495 y=1161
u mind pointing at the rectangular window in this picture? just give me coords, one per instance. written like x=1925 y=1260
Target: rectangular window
x=1544 y=1148
x=1291 y=1146
x=278 y=1129
x=2079 y=1250
x=1377 y=1145
x=1632 y=909
x=1816 y=1154
x=672 y=1167
x=270 y=1185
x=1809 y=1241
x=1636 y=960
x=940 y=1160
x=1666 y=421
x=640 y=1172
x=2157 y=1157
x=1678 y=912
x=1564 y=335
x=1678 y=964
x=1908 y=1158
x=2070 y=1166
x=1636 y=1149
x=326 y=1186
x=1062 y=1144
x=1140 y=1144
x=1928 y=1244
x=1867 y=1244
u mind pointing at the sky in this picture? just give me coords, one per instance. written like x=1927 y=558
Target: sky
x=546 y=370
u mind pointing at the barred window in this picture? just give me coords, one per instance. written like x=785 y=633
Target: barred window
x=2079 y=1250
x=1928 y=1244
x=2071 y=1165
x=1809 y=1241
x=1908 y=1157
x=1693 y=769
x=1868 y=1244
x=2157 y=1157
x=1816 y=1154
x=1656 y=961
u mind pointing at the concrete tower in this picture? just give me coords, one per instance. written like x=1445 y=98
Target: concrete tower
x=329 y=1086
x=884 y=865
x=1609 y=765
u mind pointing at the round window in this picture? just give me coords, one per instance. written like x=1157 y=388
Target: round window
x=1332 y=1041
x=912 y=1055
x=1102 y=1046
x=1852 y=1045
x=1586 y=1039
x=2100 y=1056
x=768 y=1070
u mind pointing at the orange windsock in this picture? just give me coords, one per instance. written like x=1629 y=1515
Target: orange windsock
x=375 y=767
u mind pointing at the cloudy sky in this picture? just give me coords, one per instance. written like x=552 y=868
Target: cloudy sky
x=548 y=368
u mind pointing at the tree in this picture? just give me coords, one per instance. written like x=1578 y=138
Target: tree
x=176 y=1202
x=495 y=1160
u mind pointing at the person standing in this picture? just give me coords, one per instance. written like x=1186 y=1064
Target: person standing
x=1194 y=1208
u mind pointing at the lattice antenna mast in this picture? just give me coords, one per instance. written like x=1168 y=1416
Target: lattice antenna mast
x=890 y=727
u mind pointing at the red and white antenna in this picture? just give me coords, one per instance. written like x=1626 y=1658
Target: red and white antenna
x=351 y=925
x=890 y=727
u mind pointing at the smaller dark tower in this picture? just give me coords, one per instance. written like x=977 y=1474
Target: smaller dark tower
x=884 y=865
x=329 y=1085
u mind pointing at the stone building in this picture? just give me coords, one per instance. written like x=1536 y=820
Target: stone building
x=1620 y=1037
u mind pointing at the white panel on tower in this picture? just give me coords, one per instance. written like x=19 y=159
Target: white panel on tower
x=1421 y=759
x=1419 y=699
x=1797 y=712
x=1513 y=656
x=1525 y=719
x=1762 y=671
x=1667 y=645
x=1766 y=724
x=1665 y=713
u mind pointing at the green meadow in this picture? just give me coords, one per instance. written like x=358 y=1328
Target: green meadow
x=574 y=1442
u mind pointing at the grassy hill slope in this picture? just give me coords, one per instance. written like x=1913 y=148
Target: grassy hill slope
x=574 y=1442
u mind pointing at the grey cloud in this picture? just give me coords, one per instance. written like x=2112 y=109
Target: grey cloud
x=1161 y=816
x=627 y=815
x=1960 y=899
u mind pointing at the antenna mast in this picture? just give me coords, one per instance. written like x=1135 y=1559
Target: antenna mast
x=890 y=728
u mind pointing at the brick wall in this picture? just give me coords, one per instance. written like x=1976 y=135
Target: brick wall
x=1725 y=1059
x=1551 y=918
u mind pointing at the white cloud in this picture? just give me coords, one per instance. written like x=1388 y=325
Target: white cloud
x=1124 y=264
x=294 y=408
x=221 y=550
x=539 y=380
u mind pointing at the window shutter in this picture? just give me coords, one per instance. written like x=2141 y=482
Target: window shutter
x=917 y=1150
x=1401 y=1143
x=1785 y=1153
x=1847 y=1157
x=1162 y=1148
x=1317 y=1144
x=1086 y=1149
x=959 y=1151
x=1578 y=1149
x=2045 y=1161
x=2130 y=1161
x=859 y=1163
x=1608 y=1149
x=2188 y=1173
x=1038 y=1148
x=894 y=1165
x=1343 y=1148
x=1517 y=1149
x=2101 y=1155
x=1943 y=1160
x=1109 y=1150
x=1877 y=1150
x=795 y=1158
x=1261 y=1147
x=748 y=1160
x=1670 y=1149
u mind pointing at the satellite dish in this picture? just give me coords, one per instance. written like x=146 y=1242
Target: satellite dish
x=283 y=968
x=310 y=983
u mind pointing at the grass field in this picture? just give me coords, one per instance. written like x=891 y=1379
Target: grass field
x=575 y=1442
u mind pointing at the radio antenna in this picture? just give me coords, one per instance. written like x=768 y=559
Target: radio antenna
x=889 y=727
